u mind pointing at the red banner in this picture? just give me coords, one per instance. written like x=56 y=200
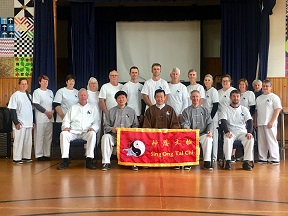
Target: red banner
x=157 y=147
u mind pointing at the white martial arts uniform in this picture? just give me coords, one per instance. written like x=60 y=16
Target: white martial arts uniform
x=134 y=95
x=197 y=87
x=224 y=98
x=248 y=99
x=178 y=97
x=267 y=137
x=210 y=98
x=150 y=86
x=67 y=98
x=236 y=122
x=22 y=145
x=43 y=128
x=79 y=119
x=107 y=92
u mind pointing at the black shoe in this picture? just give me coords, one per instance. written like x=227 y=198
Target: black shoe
x=47 y=158
x=64 y=164
x=26 y=160
x=89 y=163
x=274 y=162
x=41 y=159
x=18 y=161
x=207 y=165
x=262 y=162
x=233 y=159
x=105 y=167
x=246 y=166
x=228 y=165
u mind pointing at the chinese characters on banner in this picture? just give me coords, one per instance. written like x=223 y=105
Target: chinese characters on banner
x=157 y=147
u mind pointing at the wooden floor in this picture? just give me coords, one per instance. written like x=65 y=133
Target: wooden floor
x=38 y=188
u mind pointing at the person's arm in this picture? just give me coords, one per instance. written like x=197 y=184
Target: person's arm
x=59 y=110
x=103 y=106
x=15 y=118
x=274 y=117
x=252 y=109
x=214 y=109
x=147 y=100
x=147 y=119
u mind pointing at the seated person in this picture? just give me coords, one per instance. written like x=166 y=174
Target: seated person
x=82 y=121
x=160 y=115
x=198 y=117
x=237 y=124
x=118 y=116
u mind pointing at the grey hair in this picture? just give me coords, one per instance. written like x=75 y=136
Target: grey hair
x=175 y=70
x=82 y=89
x=194 y=91
x=256 y=81
x=208 y=75
x=92 y=80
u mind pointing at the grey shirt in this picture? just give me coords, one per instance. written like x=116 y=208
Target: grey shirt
x=196 y=118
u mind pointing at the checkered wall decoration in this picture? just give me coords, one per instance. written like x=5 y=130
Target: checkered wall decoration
x=23 y=47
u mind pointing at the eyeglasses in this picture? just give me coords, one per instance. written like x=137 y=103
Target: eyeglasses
x=113 y=75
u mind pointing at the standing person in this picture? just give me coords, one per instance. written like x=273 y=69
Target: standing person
x=42 y=101
x=257 y=86
x=133 y=89
x=268 y=106
x=247 y=97
x=20 y=106
x=160 y=115
x=178 y=96
x=107 y=92
x=82 y=121
x=198 y=117
x=237 y=124
x=65 y=98
x=151 y=85
x=211 y=103
x=118 y=116
x=192 y=75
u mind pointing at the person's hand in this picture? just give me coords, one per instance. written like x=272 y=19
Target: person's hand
x=209 y=134
x=249 y=136
x=66 y=129
x=270 y=124
x=18 y=126
x=114 y=130
x=228 y=135
x=91 y=129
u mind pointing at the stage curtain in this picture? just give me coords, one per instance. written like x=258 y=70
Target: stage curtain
x=44 y=44
x=267 y=7
x=239 y=38
x=82 y=42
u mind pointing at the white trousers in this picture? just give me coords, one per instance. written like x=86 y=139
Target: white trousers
x=66 y=137
x=206 y=144
x=43 y=139
x=215 y=140
x=22 y=145
x=267 y=141
x=248 y=145
x=107 y=143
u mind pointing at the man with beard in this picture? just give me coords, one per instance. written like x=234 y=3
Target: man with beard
x=237 y=124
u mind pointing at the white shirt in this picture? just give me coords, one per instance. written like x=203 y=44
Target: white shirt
x=80 y=118
x=178 y=97
x=150 y=86
x=44 y=99
x=93 y=98
x=67 y=98
x=248 y=99
x=107 y=92
x=211 y=96
x=197 y=87
x=134 y=95
x=265 y=105
x=20 y=102
x=224 y=98
x=236 y=118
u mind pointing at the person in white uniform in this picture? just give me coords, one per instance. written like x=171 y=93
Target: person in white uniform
x=65 y=98
x=153 y=84
x=82 y=121
x=118 y=116
x=42 y=101
x=247 y=97
x=237 y=124
x=268 y=106
x=133 y=89
x=178 y=96
x=20 y=106
x=192 y=75
x=107 y=92
x=211 y=103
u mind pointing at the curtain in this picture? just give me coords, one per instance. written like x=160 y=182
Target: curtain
x=82 y=42
x=44 y=44
x=267 y=7
x=239 y=38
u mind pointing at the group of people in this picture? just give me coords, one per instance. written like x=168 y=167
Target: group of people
x=228 y=114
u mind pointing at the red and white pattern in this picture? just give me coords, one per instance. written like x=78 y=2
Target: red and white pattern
x=6 y=47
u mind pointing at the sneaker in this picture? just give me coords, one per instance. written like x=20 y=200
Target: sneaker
x=105 y=167
x=177 y=168
x=41 y=159
x=134 y=168
x=64 y=164
x=274 y=162
x=26 y=160
x=262 y=162
x=228 y=165
x=207 y=165
x=187 y=167
x=233 y=159
x=246 y=166
x=240 y=158
x=18 y=161
x=89 y=164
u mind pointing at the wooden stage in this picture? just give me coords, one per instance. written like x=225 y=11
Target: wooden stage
x=38 y=188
